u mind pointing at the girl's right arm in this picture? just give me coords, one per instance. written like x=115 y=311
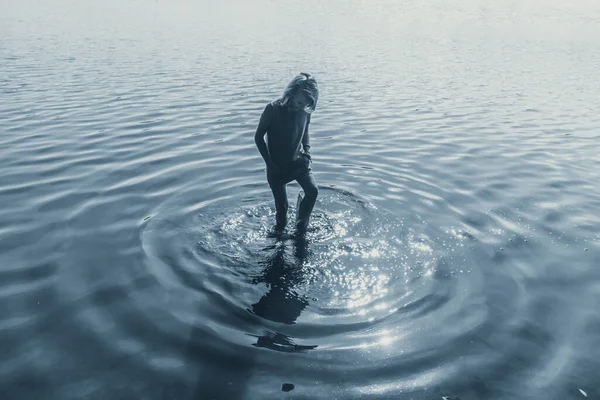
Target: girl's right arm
x=259 y=136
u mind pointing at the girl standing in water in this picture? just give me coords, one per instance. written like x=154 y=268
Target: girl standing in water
x=285 y=122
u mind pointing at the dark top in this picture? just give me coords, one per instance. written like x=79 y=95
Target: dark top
x=285 y=132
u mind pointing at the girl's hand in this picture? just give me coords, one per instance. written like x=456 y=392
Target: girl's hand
x=306 y=151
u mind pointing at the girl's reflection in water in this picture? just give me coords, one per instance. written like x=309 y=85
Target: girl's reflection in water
x=282 y=303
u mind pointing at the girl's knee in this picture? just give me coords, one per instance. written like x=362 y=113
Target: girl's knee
x=312 y=191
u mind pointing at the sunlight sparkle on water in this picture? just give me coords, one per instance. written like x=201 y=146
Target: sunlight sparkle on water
x=386 y=338
x=382 y=338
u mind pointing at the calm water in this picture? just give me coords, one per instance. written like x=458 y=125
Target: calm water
x=455 y=246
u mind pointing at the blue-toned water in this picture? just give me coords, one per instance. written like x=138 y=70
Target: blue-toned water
x=454 y=251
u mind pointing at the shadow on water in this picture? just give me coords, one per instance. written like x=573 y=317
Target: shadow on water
x=226 y=374
x=282 y=303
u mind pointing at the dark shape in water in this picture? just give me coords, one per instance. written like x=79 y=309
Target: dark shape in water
x=279 y=342
x=282 y=303
x=287 y=387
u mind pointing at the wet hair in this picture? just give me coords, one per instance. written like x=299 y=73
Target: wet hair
x=306 y=83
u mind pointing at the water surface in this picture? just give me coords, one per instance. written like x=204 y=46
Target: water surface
x=455 y=244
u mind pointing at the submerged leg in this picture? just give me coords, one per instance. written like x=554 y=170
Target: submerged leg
x=281 y=206
x=306 y=203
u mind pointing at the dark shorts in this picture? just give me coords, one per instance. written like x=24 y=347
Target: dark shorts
x=296 y=170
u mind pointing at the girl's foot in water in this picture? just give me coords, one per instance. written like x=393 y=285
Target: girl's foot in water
x=278 y=233
x=275 y=231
